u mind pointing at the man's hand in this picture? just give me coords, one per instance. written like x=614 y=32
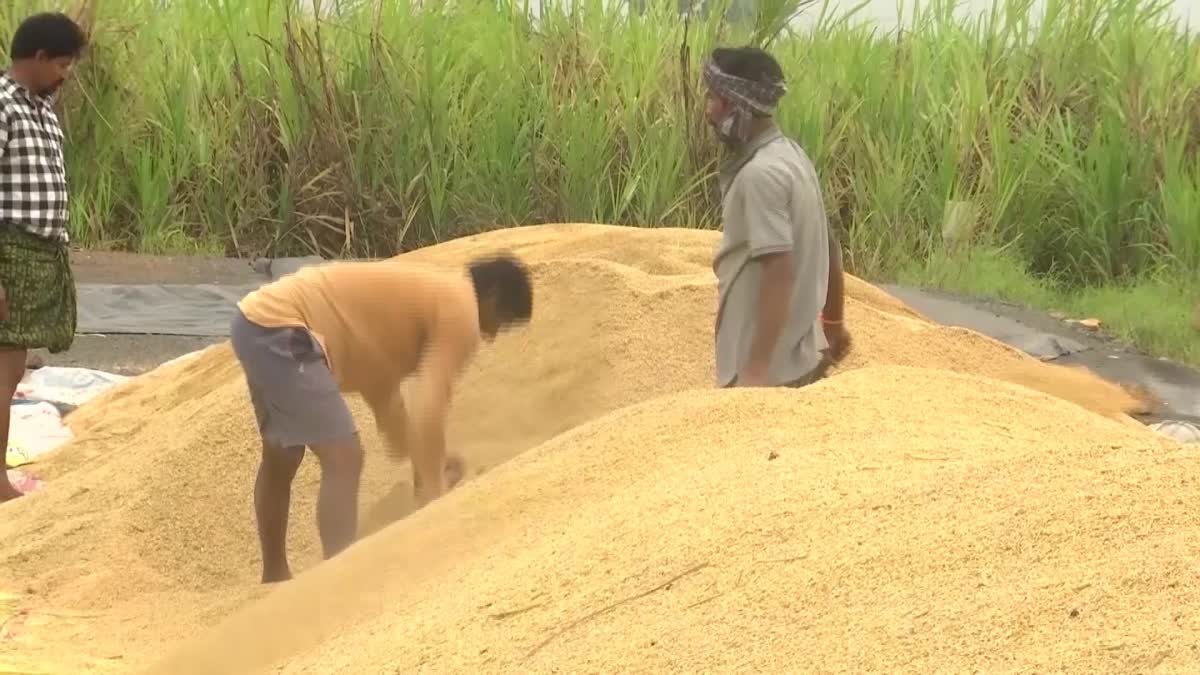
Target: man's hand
x=838 y=338
x=3 y=304
x=455 y=470
x=427 y=488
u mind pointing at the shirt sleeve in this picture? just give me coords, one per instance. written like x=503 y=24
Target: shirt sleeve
x=4 y=127
x=767 y=192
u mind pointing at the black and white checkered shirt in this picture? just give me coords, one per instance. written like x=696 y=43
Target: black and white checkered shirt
x=33 y=175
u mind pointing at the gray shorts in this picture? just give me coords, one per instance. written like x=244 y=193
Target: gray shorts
x=296 y=399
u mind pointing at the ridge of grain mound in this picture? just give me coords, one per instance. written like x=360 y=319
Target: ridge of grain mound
x=840 y=528
x=150 y=506
x=658 y=251
x=885 y=329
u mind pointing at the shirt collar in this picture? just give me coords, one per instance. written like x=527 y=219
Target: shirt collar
x=9 y=86
x=744 y=152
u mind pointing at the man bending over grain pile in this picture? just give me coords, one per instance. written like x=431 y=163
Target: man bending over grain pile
x=37 y=291
x=361 y=327
x=778 y=263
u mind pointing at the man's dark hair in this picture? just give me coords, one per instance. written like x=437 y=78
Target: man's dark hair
x=52 y=32
x=507 y=279
x=748 y=63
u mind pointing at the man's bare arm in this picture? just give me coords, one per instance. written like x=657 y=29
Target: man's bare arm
x=427 y=430
x=835 y=303
x=391 y=420
x=835 y=300
x=449 y=348
x=771 y=314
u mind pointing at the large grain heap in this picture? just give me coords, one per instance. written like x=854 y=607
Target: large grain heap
x=145 y=533
x=841 y=529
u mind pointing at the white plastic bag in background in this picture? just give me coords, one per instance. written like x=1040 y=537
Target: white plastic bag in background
x=1183 y=432
x=36 y=426
x=34 y=429
x=73 y=386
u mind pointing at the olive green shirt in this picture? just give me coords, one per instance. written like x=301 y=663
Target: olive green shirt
x=771 y=203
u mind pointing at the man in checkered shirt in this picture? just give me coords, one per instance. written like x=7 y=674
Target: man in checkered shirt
x=37 y=291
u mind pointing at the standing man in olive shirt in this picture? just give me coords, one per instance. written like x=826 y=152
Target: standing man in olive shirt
x=779 y=321
x=361 y=327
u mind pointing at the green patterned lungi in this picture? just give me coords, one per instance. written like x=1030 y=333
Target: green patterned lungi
x=37 y=279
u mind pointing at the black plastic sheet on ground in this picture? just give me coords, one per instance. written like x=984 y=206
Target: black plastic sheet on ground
x=198 y=310
x=158 y=309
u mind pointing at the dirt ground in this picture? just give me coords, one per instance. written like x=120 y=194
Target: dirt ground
x=135 y=354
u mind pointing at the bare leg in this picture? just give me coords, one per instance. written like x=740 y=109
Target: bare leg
x=12 y=369
x=272 y=501
x=337 y=504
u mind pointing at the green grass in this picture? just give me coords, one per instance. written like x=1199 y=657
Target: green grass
x=245 y=127
x=1154 y=312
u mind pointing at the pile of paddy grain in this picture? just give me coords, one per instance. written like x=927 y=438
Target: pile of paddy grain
x=887 y=519
x=673 y=266
x=151 y=505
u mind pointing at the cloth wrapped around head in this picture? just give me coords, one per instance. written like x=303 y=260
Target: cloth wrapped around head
x=748 y=99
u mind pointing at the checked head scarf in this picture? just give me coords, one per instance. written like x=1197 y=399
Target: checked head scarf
x=748 y=98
